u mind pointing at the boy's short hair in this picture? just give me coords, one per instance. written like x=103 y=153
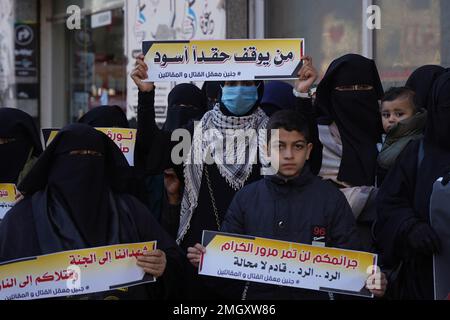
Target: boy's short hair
x=289 y=120
x=395 y=93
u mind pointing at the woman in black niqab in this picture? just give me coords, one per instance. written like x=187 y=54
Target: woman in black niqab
x=348 y=95
x=211 y=93
x=421 y=82
x=403 y=231
x=436 y=145
x=185 y=103
x=75 y=176
x=19 y=144
x=75 y=199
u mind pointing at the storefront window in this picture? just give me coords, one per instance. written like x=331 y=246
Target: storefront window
x=26 y=57
x=97 y=63
x=412 y=35
x=330 y=28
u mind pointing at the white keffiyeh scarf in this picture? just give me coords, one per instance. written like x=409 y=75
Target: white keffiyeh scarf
x=235 y=161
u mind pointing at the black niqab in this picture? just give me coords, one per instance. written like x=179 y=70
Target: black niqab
x=105 y=117
x=278 y=95
x=404 y=198
x=436 y=161
x=356 y=114
x=211 y=93
x=72 y=193
x=438 y=122
x=185 y=103
x=18 y=126
x=421 y=82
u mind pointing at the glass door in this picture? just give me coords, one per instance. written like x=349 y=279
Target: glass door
x=97 y=63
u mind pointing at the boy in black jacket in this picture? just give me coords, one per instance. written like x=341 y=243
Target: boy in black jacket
x=290 y=205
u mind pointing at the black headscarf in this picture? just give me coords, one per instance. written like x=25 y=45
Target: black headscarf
x=19 y=126
x=114 y=117
x=277 y=96
x=421 y=82
x=105 y=117
x=436 y=161
x=356 y=114
x=73 y=199
x=438 y=124
x=185 y=103
x=211 y=93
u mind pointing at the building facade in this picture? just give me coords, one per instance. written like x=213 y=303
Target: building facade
x=57 y=70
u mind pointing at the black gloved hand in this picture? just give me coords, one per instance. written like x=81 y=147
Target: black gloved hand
x=423 y=239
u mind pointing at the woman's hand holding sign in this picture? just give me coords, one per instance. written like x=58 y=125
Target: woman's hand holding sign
x=306 y=76
x=153 y=262
x=139 y=74
x=195 y=254
x=377 y=283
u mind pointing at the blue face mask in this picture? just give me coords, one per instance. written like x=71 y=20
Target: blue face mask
x=239 y=100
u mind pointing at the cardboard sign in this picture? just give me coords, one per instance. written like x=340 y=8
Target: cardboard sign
x=72 y=273
x=223 y=60
x=286 y=264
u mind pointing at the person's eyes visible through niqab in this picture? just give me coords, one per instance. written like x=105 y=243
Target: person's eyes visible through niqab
x=187 y=107
x=356 y=87
x=7 y=140
x=182 y=105
x=85 y=152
